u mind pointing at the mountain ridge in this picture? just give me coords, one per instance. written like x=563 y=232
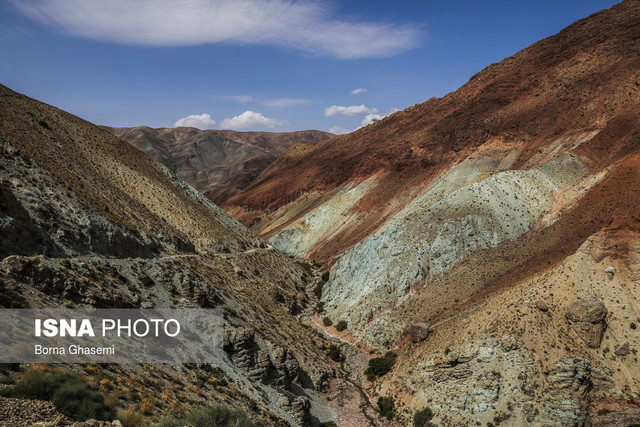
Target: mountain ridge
x=218 y=163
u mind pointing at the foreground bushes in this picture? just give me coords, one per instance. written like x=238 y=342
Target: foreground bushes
x=212 y=416
x=70 y=394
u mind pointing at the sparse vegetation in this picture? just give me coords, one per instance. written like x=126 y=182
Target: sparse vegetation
x=6 y=380
x=69 y=393
x=379 y=366
x=212 y=416
x=386 y=407
x=131 y=417
x=320 y=307
x=422 y=418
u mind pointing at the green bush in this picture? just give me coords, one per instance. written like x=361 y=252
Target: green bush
x=341 y=325
x=6 y=380
x=211 y=416
x=317 y=291
x=386 y=407
x=69 y=393
x=320 y=307
x=334 y=352
x=325 y=276
x=327 y=321
x=422 y=418
x=378 y=366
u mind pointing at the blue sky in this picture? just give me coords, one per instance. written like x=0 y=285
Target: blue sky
x=274 y=65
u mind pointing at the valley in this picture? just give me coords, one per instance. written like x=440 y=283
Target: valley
x=470 y=260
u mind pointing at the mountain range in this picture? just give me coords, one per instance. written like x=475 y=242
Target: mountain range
x=471 y=260
x=218 y=163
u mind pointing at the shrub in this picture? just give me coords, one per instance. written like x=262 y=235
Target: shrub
x=386 y=407
x=327 y=321
x=334 y=352
x=378 y=366
x=218 y=415
x=211 y=416
x=320 y=307
x=422 y=418
x=75 y=399
x=131 y=417
x=325 y=276
x=6 y=380
x=317 y=291
x=341 y=325
x=69 y=393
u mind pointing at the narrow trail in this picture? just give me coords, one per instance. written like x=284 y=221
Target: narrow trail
x=366 y=407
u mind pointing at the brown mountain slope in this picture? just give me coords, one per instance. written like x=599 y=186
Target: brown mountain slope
x=506 y=215
x=218 y=163
x=87 y=220
x=572 y=82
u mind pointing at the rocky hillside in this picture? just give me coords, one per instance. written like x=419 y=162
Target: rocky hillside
x=505 y=215
x=88 y=220
x=218 y=163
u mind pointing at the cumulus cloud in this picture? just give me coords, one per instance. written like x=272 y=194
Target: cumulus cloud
x=374 y=117
x=296 y=24
x=351 y=110
x=200 y=121
x=359 y=90
x=250 y=120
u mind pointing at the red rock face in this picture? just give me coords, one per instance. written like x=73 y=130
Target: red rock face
x=585 y=78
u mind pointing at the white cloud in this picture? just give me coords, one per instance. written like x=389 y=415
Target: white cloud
x=296 y=24
x=370 y=118
x=339 y=130
x=272 y=102
x=200 y=121
x=284 y=102
x=241 y=99
x=359 y=91
x=351 y=110
x=250 y=120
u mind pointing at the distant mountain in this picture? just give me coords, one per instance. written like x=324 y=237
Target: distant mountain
x=505 y=214
x=218 y=163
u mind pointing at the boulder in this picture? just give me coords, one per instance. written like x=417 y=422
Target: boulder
x=541 y=305
x=586 y=317
x=610 y=272
x=418 y=331
x=622 y=350
x=588 y=310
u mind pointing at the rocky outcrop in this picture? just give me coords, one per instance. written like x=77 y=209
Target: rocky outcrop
x=491 y=380
x=418 y=332
x=587 y=318
x=270 y=365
